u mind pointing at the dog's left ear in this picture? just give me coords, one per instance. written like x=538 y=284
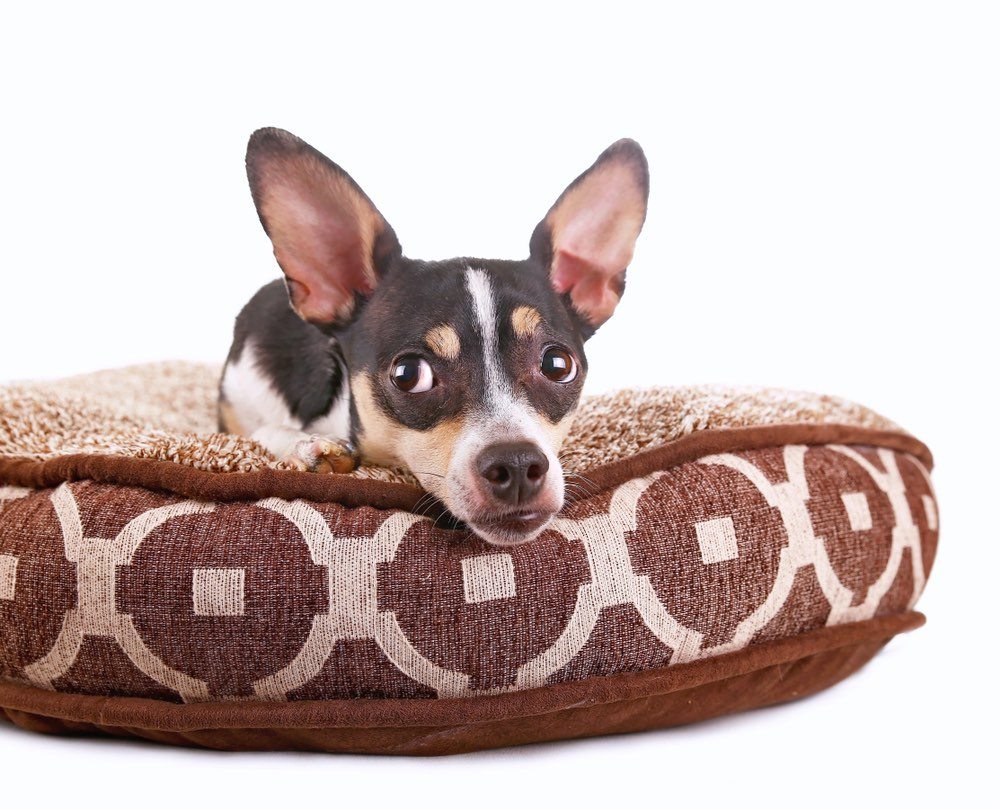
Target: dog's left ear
x=330 y=241
x=587 y=238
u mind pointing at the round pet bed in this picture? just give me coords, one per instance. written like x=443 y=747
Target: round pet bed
x=724 y=549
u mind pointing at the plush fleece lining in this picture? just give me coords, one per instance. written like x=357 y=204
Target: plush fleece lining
x=167 y=412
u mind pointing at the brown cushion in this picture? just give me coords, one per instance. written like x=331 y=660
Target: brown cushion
x=724 y=550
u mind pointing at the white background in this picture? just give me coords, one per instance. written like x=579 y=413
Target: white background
x=824 y=215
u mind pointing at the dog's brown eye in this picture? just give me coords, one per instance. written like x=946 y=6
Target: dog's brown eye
x=558 y=365
x=412 y=374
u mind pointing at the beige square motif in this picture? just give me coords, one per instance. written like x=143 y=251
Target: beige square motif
x=8 y=576
x=717 y=540
x=858 y=513
x=930 y=511
x=218 y=591
x=488 y=578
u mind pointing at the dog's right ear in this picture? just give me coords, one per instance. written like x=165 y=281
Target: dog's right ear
x=330 y=241
x=587 y=238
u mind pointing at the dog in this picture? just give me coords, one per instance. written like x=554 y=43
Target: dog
x=466 y=372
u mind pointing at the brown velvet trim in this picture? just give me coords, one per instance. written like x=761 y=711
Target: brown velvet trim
x=758 y=675
x=781 y=682
x=709 y=442
x=211 y=486
x=353 y=492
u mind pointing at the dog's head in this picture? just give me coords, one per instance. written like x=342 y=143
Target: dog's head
x=465 y=371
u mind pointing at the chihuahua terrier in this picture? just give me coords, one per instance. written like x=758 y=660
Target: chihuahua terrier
x=465 y=371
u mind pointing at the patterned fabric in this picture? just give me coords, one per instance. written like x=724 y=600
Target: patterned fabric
x=113 y=590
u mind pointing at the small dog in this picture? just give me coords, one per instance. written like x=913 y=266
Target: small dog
x=466 y=371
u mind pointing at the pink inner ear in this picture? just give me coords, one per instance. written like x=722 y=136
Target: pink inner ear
x=593 y=230
x=323 y=231
x=321 y=246
x=594 y=292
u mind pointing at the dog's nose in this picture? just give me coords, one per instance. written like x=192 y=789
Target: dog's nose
x=514 y=473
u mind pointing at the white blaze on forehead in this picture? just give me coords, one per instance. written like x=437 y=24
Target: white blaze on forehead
x=484 y=306
x=503 y=414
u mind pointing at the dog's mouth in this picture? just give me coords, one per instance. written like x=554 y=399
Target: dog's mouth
x=511 y=528
x=497 y=527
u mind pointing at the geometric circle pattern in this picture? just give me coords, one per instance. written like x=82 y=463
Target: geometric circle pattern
x=116 y=590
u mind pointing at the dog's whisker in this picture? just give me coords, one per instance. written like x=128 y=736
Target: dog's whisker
x=577 y=493
x=426 y=472
x=424 y=504
x=580 y=484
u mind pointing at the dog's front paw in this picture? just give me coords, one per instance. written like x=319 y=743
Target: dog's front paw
x=315 y=454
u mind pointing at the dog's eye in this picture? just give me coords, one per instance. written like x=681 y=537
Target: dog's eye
x=558 y=365
x=412 y=374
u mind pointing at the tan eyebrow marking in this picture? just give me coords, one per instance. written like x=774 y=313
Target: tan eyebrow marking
x=443 y=341
x=525 y=320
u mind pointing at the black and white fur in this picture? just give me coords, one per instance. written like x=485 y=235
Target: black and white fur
x=465 y=371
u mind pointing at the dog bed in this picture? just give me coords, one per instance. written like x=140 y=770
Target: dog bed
x=723 y=549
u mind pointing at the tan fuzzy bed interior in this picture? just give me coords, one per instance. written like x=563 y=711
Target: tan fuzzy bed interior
x=167 y=411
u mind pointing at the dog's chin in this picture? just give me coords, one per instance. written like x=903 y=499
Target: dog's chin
x=506 y=530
